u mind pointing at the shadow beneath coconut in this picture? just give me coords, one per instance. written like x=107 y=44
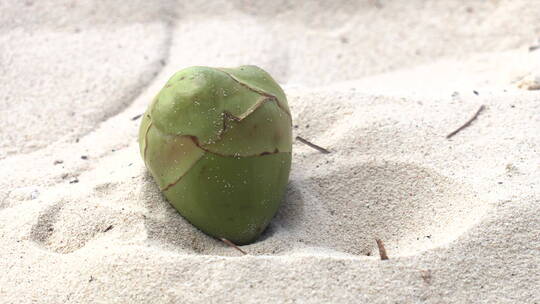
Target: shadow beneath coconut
x=342 y=209
x=167 y=228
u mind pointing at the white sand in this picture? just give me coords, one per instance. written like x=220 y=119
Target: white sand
x=379 y=84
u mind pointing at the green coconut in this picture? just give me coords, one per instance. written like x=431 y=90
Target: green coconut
x=218 y=143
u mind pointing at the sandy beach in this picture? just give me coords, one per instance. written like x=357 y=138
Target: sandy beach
x=380 y=84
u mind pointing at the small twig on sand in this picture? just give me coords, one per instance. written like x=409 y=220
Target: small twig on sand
x=232 y=245
x=382 y=251
x=482 y=107
x=136 y=117
x=314 y=146
x=535 y=47
x=426 y=276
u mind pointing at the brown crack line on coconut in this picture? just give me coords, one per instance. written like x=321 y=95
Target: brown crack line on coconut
x=225 y=114
x=195 y=140
x=181 y=176
x=195 y=162
x=260 y=92
x=146 y=139
x=250 y=110
x=239 y=118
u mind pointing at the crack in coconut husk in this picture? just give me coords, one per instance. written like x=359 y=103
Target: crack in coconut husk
x=225 y=114
x=258 y=91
